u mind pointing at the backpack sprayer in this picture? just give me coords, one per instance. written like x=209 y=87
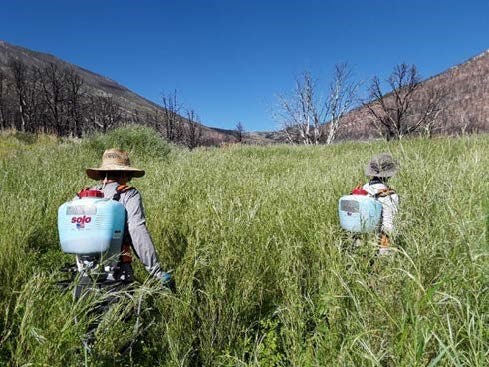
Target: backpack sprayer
x=359 y=212
x=91 y=228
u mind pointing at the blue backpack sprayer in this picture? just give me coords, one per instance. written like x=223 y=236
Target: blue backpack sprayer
x=92 y=228
x=359 y=212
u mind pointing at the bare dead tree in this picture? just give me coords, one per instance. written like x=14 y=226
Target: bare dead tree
x=239 y=131
x=53 y=84
x=155 y=118
x=28 y=103
x=105 y=113
x=342 y=95
x=193 y=133
x=52 y=98
x=299 y=113
x=35 y=108
x=45 y=99
x=19 y=71
x=466 y=124
x=308 y=117
x=110 y=113
x=4 y=100
x=75 y=96
x=403 y=111
x=435 y=101
x=92 y=112
x=171 y=116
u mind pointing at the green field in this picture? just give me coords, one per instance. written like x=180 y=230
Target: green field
x=265 y=274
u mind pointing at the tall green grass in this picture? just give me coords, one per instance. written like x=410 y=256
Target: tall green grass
x=265 y=274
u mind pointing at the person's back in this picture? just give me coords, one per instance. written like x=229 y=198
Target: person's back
x=114 y=175
x=381 y=168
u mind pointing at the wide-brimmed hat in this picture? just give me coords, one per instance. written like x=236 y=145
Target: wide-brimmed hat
x=382 y=165
x=114 y=160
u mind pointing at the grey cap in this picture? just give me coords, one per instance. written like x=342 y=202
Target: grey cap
x=381 y=165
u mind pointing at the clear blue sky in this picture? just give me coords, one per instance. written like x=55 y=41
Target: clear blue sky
x=230 y=58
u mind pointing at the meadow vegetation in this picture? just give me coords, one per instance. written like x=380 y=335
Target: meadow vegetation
x=265 y=275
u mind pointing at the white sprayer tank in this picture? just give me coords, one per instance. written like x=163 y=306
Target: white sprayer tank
x=359 y=213
x=91 y=225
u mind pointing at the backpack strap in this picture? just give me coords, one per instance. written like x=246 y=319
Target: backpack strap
x=126 y=253
x=384 y=192
x=120 y=190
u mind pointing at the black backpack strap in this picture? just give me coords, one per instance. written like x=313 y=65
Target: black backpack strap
x=121 y=189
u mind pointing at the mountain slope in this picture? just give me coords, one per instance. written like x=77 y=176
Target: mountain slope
x=467 y=101
x=98 y=85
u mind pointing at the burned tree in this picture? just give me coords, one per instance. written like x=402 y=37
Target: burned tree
x=6 y=103
x=239 y=131
x=406 y=109
x=19 y=71
x=104 y=113
x=53 y=85
x=193 y=131
x=75 y=95
x=434 y=99
x=309 y=118
x=342 y=95
x=53 y=98
x=299 y=113
x=45 y=98
x=171 y=117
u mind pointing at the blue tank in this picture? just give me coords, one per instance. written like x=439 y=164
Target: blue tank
x=359 y=213
x=91 y=226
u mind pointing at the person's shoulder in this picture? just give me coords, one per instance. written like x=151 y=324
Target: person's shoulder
x=131 y=198
x=131 y=191
x=375 y=188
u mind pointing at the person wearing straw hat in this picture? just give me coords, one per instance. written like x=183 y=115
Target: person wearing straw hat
x=380 y=169
x=114 y=174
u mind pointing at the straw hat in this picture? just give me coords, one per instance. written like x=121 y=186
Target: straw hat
x=381 y=165
x=114 y=160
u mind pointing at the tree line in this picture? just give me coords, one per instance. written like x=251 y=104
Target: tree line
x=54 y=98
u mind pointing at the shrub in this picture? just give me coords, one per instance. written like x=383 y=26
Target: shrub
x=139 y=140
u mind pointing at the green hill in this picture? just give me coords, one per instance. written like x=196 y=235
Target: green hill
x=265 y=274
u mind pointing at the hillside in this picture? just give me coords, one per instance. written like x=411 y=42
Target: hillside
x=97 y=85
x=467 y=101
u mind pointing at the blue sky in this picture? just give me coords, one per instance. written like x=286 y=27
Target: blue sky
x=229 y=59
